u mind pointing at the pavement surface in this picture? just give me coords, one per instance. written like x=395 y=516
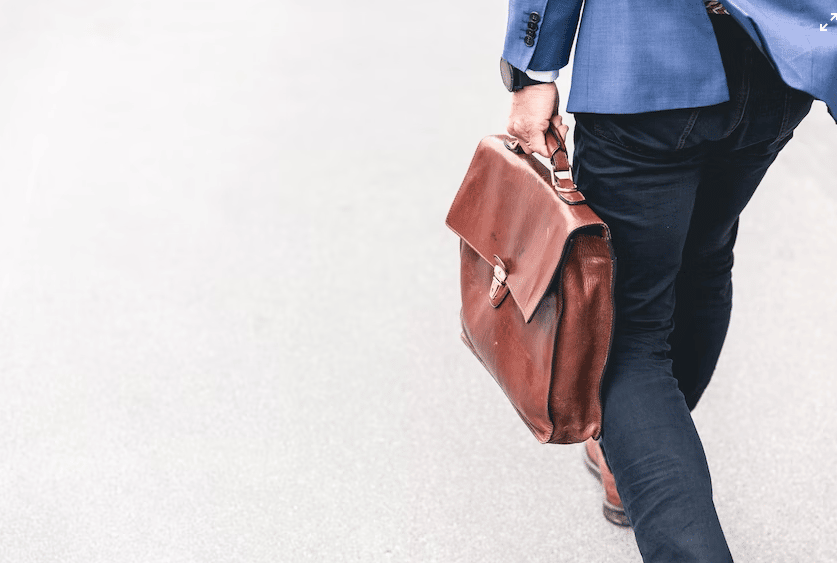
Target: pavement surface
x=229 y=327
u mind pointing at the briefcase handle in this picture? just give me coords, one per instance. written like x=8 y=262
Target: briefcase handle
x=562 y=175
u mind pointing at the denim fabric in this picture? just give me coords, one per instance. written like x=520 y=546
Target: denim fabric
x=671 y=186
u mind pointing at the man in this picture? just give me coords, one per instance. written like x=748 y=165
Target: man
x=680 y=109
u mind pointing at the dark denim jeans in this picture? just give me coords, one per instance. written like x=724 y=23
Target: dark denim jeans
x=671 y=185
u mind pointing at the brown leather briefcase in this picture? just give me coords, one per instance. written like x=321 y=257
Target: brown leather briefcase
x=537 y=270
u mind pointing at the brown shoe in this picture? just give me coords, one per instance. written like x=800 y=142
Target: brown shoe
x=612 y=505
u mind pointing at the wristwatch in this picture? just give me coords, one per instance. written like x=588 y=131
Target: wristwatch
x=514 y=79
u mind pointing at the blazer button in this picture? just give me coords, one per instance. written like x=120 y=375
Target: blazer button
x=534 y=17
x=529 y=41
x=532 y=25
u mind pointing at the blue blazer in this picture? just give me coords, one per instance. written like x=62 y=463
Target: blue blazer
x=636 y=56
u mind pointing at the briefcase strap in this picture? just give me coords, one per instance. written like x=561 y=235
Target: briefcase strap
x=562 y=175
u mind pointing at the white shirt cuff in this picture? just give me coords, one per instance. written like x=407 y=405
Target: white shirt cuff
x=543 y=75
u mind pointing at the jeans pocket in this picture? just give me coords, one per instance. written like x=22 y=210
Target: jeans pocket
x=644 y=133
x=797 y=106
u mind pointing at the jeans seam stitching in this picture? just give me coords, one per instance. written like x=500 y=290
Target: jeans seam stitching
x=743 y=95
x=599 y=132
x=785 y=118
x=689 y=126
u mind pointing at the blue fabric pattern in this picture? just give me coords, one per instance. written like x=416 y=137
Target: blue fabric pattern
x=655 y=55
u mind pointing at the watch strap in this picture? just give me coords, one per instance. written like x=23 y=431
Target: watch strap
x=521 y=79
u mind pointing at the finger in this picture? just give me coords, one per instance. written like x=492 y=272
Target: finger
x=511 y=128
x=537 y=143
x=514 y=129
x=558 y=124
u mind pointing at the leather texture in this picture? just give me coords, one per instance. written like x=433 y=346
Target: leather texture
x=544 y=330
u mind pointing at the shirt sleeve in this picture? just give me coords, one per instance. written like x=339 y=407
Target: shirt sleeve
x=543 y=75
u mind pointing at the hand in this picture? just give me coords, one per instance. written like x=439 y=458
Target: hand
x=533 y=109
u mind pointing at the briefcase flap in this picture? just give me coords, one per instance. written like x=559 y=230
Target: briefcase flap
x=507 y=207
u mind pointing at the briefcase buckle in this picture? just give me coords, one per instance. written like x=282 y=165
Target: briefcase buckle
x=498 y=291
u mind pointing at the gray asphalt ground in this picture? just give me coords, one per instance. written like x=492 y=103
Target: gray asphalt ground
x=229 y=327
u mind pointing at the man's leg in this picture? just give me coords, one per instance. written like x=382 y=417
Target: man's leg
x=646 y=194
x=745 y=134
x=703 y=290
x=674 y=216
x=671 y=186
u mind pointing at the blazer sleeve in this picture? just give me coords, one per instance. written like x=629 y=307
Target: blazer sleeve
x=555 y=23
